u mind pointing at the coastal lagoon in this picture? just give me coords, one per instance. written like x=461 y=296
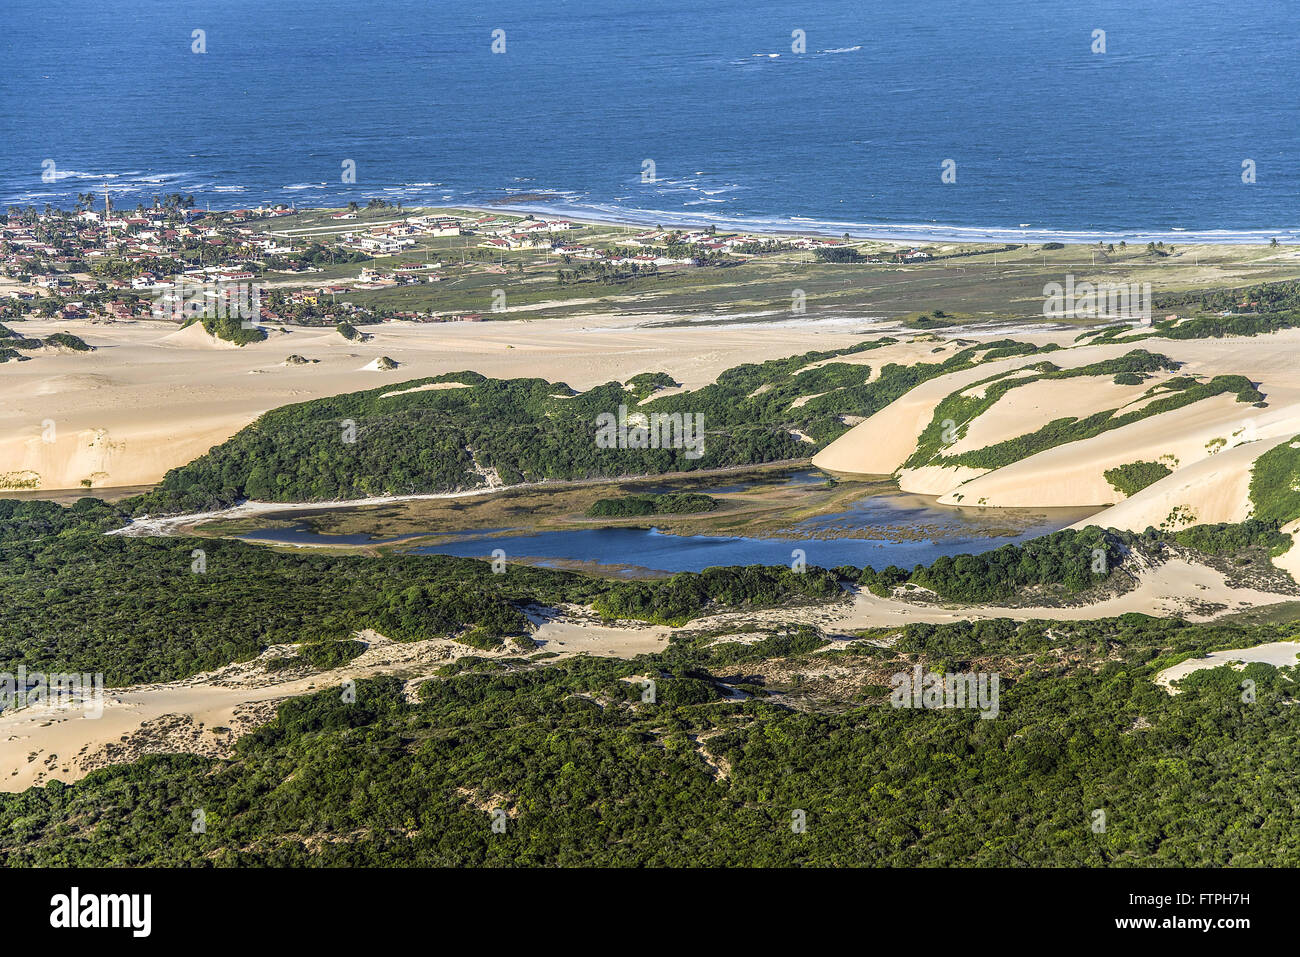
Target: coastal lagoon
x=880 y=529
x=652 y=549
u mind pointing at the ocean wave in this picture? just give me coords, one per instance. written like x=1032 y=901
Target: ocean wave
x=684 y=200
x=904 y=232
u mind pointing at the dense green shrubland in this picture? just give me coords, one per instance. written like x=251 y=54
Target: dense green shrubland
x=1133 y=477
x=629 y=506
x=589 y=775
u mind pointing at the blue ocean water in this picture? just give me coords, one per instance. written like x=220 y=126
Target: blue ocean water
x=1049 y=138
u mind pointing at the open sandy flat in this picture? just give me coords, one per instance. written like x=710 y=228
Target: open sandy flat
x=151 y=398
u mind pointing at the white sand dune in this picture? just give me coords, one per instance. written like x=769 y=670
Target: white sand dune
x=1175 y=587
x=1279 y=654
x=1074 y=473
x=881 y=444
x=1215 y=489
x=176 y=393
x=1212 y=443
x=196 y=337
x=427 y=387
x=1025 y=408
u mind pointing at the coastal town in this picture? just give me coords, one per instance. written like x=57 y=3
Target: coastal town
x=108 y=264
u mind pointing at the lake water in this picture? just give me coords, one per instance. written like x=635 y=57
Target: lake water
x=889 y=528
x=1049 y=138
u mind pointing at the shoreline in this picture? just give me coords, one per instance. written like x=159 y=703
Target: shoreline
x=900 y=233
x=610 y=214
x=167 y=524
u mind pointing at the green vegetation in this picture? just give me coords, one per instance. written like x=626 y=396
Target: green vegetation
x=636 y=505
x=350 y=332
x=1268 y=297
x=936 y=319
x=136 y=610
x=12 y=341
x=1230 y=539
x=1068 y=561
x=230 y=328
x=1199 y=327
x=839 y=254
x=1275 y=483
x=675 y=600
x=1135 y=476
x=589 y=775
x=738 y=736
x=155 y=609
x=68 y=341
x=26 y=519
x=647 y=383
